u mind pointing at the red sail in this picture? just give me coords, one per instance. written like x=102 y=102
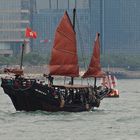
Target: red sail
x=64 y=59
x=94 y=69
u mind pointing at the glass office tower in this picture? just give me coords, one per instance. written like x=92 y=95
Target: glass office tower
x=47 y=19
x=119 y=25
x=15 y=15
x=117 y=21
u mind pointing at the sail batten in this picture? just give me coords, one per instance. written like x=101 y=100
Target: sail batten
x=65 y=51
x=67 y=35
x=94 y=69
x=64 y=59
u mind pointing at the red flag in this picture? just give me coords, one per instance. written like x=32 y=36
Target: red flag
x=30 y=34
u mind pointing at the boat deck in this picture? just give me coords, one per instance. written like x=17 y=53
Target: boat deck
x=72 y=86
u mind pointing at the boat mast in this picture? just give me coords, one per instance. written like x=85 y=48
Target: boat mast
x=22 y=51
x=74 y=15
x=95 y=79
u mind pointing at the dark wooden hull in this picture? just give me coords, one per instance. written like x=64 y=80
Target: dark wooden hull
x=41 y=97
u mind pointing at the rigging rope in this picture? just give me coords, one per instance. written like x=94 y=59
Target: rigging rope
x=81 y=46
x=81 y=43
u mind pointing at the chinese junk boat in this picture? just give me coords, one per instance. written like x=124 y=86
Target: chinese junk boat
x=29 y=94
x=110 y=81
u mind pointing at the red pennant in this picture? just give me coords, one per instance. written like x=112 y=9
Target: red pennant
x=30 y=34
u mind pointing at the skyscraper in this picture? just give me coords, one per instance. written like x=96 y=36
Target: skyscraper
x=118 y=21
x=15 y=15
x=48 y=17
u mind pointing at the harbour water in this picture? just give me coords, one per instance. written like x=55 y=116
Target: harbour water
x=115 y=119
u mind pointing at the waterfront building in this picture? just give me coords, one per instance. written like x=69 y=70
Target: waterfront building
x=15 y=16
x=46 y=20
x=45 y=23
x=117 y=20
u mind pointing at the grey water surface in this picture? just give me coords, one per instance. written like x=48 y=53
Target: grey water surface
x=115 y=119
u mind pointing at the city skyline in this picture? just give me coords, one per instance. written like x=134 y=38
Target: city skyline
x=117 y=21
x=62 y=4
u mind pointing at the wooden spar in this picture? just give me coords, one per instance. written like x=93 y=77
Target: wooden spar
x=74 y=14
x=95 y=79
x=22 y=51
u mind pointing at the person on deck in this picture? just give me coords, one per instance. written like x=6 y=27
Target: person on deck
x=50 y=79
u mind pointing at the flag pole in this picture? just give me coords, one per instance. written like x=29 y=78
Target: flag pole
x=28 y=34
x=22 y=52
x=95 y=79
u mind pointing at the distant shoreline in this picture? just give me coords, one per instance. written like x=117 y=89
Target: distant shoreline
x=120 y=73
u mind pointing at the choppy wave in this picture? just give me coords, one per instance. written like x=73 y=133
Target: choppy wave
x=116 y=119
